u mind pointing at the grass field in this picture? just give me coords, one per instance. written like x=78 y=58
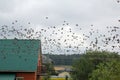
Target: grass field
x=57 y=79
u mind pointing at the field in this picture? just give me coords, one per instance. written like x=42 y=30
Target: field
x=57 y=79
x=62 y=67
x=61 y=75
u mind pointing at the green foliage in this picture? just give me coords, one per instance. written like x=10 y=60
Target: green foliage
x=97 y=57
x=49 y=71
x=50 y=68
x=82 y=68
x=89 y=62
x=107 y=71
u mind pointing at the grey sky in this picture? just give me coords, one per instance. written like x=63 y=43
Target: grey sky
x=75 y=11
x=100 y=13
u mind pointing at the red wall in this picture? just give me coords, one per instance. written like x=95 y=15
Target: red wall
x=27 y=75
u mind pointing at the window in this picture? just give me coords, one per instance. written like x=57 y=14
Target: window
x=19 y=78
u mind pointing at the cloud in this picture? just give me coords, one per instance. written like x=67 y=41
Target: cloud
x=77 y=11
x=99 y=13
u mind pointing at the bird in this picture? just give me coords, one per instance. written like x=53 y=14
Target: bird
x=62 y=40
x=46 y=17
x=118 y=1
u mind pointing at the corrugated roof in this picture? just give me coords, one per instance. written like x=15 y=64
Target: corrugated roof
x=19 y=55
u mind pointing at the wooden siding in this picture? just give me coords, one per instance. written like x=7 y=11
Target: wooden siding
x=27 y=76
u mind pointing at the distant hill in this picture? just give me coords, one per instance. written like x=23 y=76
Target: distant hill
x=62 y=59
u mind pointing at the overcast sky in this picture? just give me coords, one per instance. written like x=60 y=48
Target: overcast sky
x=99 y=13
x=84 y=12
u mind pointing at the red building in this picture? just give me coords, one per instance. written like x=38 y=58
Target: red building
x=20 y=59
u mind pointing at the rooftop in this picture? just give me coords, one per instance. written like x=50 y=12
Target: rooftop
x=19 y=55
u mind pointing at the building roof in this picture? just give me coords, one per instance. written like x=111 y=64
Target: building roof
x=19 y=55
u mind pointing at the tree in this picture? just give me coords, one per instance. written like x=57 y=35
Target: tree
x=81 y=69
x=88 y=62
x=107 y=71
x=49 y=70
x=97 y=57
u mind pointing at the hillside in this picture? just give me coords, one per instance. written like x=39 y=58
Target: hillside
x=63 y=59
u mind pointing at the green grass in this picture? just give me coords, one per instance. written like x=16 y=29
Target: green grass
x=57 y=79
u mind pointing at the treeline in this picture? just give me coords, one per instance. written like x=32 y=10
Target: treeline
x=97 y=65
x=63 y=59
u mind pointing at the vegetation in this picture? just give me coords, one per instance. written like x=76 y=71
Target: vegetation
x=82 y=68
x=90 y=65
x=49 y=70
x=63 y=59
x=107 y=71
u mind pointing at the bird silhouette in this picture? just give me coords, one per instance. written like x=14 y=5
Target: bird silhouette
x=118 y=1
x=64 y=38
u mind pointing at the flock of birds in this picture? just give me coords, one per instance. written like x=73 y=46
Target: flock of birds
x=64 y=39
x=118 y=1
